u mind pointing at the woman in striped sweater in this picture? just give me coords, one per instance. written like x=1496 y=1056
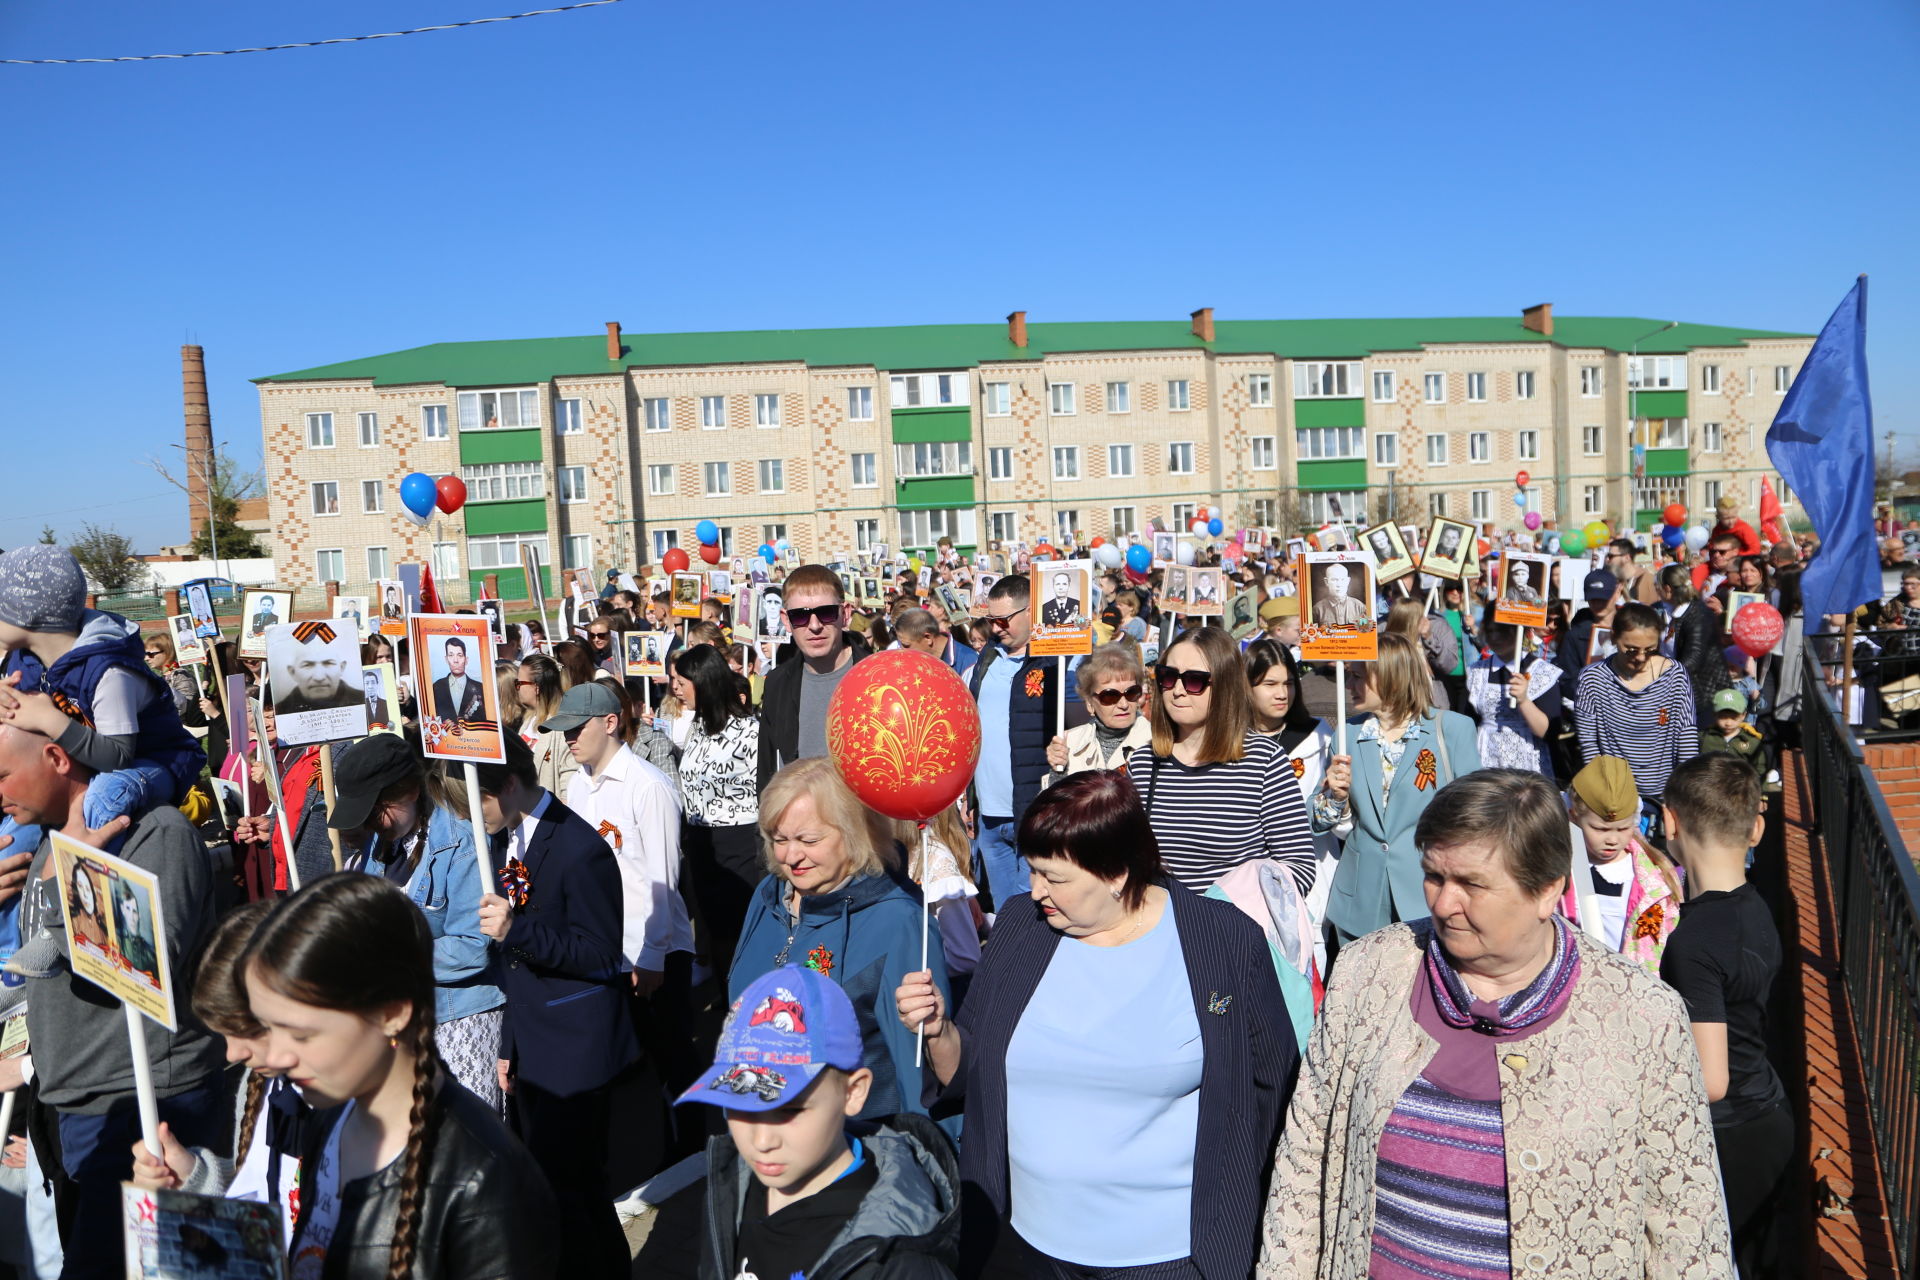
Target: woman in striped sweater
x=1638 y=705
x=1218 y=793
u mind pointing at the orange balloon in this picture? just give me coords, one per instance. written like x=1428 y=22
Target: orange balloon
x=904 y=733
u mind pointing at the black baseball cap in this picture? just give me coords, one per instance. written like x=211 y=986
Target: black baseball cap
x=1600 y=584
x=373 y=764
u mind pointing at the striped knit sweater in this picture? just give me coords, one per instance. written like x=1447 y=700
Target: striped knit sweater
x=1440 y=1189
x=1208 y=819
x=1652 y=730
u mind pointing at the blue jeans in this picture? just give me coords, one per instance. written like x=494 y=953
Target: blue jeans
x=995 y=849
x=97 y=1153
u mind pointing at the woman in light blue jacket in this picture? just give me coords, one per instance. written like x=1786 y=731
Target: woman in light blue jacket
x=1400 y=753
x=415 y=838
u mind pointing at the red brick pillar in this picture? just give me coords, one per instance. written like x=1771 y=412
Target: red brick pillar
x=173 y=602
x=493 y=586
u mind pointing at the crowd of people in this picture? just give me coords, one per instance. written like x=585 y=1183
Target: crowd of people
x=1470 y=984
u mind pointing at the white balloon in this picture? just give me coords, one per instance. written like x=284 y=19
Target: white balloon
x=1697 y=537
x=1109 y=555
x=1183 y=552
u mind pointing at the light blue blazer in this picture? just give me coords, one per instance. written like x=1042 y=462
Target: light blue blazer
x=1379 y=879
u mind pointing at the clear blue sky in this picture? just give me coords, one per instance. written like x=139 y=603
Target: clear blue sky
x=750 y=165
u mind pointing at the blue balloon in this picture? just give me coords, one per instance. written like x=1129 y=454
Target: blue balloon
x=1520 y=498
x=1139 y=558
x=767 y=552
x=1673 y=537
x=1214 y=526
x=708 y=532
x=418 y=495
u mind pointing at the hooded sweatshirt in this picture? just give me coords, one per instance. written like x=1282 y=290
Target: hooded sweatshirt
x=866 y=936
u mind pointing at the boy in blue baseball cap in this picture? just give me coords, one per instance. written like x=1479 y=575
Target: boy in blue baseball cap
x=823 y=1203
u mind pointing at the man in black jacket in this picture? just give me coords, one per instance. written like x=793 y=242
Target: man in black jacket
x=1016 y=694
x=567 y=1032
x=793 y=702
x=1697 y=642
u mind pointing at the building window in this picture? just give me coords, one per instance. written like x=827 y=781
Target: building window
x=1709 y=379
x=1180 y=458
x=771 y=535
x=925 y=528
x=1709 y=437
x=766 y=411
x=1067 y=524
x=1066 y=462
x=1435 y=387
x=1436 y=504
x=660 y=483
x=1437 y=449
x=1266 y=512
x=866 y=470
x=1000 y=464
x=664 y=540
x=378 y=565
x=1476 y=388
x=1523 y=385
x=1310 y=443
x=502 y=551
x=910 y=390
x=1657 y=373
x=433 y=421
x=503 y=481
x=1590 y=499
x=1119 y=397
x=1321 y=380
x=326 y=498
x=319 y=431
x=866 y=532
x=446 y=559
x=1383 y=386
x=1119 y=461
x=567 y=420
x=1589 y=381
x=1348 y=506
x=773 y=475
x=1178 y=396
x=1782 y=378
x=719 y=479
x=1664 y=433
x=1262 y=453
x=1386 y=449
x=332 y=565
x=1479 y=446
x=1260 y=390
x=369 y=430
x=576 y=551
x=1480 y=504
x=999 y=398
x=372 y=496
x=1182 y=516
x=572 y=483
x=1122 y=522
x=657 y=414
x=498 y=410
x=1710 y=493
x=1060 y=399
x=713 y=413
x=906 y=392
x=860 y=404
x=1590 y=441
x=1529 y=443
x=1002 y=526
x=932 y=458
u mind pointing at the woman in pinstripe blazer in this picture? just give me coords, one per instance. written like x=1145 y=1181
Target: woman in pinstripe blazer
x=1124 y=1055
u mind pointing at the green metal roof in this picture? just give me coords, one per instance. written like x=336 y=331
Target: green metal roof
x=514 y=361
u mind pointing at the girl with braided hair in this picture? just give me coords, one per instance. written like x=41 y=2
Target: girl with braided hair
x=407 y=1176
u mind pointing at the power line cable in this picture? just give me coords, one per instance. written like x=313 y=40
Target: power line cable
x=306 y=44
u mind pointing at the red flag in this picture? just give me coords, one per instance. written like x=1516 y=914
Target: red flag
x=1769 y=511
x=429 y=598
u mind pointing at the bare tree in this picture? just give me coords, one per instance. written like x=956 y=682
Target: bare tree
x=227 y=487
x=106 y=556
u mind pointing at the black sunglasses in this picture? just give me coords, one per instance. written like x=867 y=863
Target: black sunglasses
x=1111 y=697
x=1195 y=682
x=827 y=615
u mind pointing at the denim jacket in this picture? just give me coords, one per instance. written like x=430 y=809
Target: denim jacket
x=446 y=887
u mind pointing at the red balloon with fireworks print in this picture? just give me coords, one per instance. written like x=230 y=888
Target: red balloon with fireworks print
x=1757 y=628
x=904 y=733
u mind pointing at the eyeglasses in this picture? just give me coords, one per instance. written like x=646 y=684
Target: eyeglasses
x=827 y=615
x=1634 y=651
x=1006 y=619
x=1112 y=697
x=1195 y=682
x=600 y=636
x=154 y=653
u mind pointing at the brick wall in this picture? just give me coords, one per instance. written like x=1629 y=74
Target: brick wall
x=1896 y=767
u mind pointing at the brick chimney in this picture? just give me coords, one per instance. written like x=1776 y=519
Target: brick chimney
x=613 y=339
x=1539 y=319
x=1017 y=328
x=199 y=424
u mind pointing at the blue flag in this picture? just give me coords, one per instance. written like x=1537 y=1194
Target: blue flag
x=1822 y=443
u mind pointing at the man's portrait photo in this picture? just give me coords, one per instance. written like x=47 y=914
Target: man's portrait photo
x=264 y=609
x=379 y=711
x=1340 y=594
x=1519 y=585
x=393 y=602
x=1061 y=606
x=458 y=695
x=200 y=609
x=1448 y=548
x=314 y=677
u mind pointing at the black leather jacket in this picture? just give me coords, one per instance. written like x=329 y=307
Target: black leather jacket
x=486 y=1212
x=1698 y=646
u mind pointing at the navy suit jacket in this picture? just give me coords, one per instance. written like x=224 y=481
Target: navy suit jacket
x=1248 y=1069
x=566 y=1023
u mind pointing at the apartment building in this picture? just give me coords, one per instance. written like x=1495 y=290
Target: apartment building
x=606 y=451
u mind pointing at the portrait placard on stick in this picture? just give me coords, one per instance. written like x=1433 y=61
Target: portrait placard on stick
x=1392 y=559
x=495 y=612
x=392 y=595
x=354 y=610
x=182 y=1235
x=1336 y=612
x=1738 y=600
x=1470 y=567
x=188 y=648
x=258 y=611
x=116 y=938
x=1449 y=543
x=459 y=712
x=313 y=674
x=381 y=684
x=1206 y=594
x=644 y=653
x=1243 y=617
x=1060 y=592
x=686 y=594
x=206 y=624
x=1523 y=590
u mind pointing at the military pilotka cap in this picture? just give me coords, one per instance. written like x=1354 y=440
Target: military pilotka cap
x=1606 y=787
x=580 y=704
x=1280 y=607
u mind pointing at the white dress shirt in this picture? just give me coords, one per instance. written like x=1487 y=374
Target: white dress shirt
x=632 y=805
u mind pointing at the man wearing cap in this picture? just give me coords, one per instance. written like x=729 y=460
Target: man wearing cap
x=1732 y=732
x=1601 y=590
x=613 y=585
x=789 y=1192
x=1621 y=893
